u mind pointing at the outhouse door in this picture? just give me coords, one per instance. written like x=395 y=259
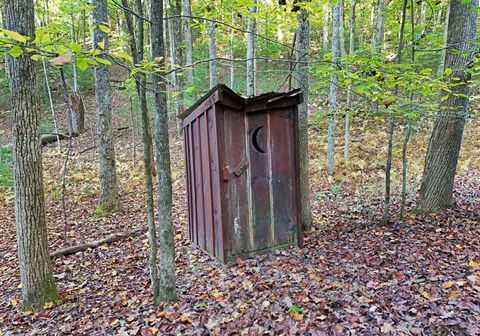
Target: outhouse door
x=261 y=180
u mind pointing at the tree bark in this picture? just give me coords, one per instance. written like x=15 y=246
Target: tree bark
x=175 y=30
x=187 y=31
x=351 y=49
x=332 y=96
x=109 y=198
x=148 y=162
x=378 y=41
x=325 y=27
x=251 y=51
x=139 y=29
x=232 y=54
x=213 y=54
x=167 y=290
x=441 y=66
x=302 y=58
x=38 y=286
x=444 y=147
x=341 y=30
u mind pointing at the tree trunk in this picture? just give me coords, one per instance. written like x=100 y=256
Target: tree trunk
x=213 y=54
x=341 y=30
x=139 y=38
x=175 y=30
x=232 y=54
x=332 y=96
x=444 y=147
x=72 y=38
x=441 y=66
x=251 y=51
x=325 y=28
x=139 y=29
x=109 y=198
x=351 y=49
x=302 y=58
x=147 y=156
x=38 y=286
x=378 y=41
x=167 y=290
x=391 y=127
x=187 y=30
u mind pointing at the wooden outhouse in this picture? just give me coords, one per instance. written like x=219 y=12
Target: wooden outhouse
x=242 y=174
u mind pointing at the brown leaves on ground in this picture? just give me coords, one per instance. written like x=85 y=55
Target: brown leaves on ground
x=351 y=277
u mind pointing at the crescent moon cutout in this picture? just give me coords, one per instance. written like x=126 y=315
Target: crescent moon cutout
x=255 y=139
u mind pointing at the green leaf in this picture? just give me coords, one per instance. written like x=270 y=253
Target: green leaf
x=296 y=309
x=82 y=63
x=76 y=48
x=15 y=51
x=444 y=98
x=426 y=71
x=447 y=72
x=104 y=28
x=14 y=35
x=125 y=56
x=103 y=61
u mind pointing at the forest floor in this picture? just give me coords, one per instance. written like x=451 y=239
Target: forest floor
x=352 y=276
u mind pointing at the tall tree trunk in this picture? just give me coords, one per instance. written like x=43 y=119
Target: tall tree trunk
x=187 y=31
x=167 y=290
x=378 y=42
x=332 y=96
x=139 y=29
x=147 y=155
x=251 y=51
x=409 y=128
x=109 y=198
x=140 y=37
x=176 y=46
x=212 y=54
x=77 y=109
x=38 y=286
x=391 y=126
x=444 y=147
x=378 y=38
x=325 y=27
x=351 y=49
x=441 y=66
x=341 y=30
x=302 y=59
x=232 y=53
x=72 y=38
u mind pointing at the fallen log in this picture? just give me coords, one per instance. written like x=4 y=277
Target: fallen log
x=48 y=138
x=96 y=243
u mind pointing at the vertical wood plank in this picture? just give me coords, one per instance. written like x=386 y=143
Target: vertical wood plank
x=260 y=179
x=207 y=190
x=215 y=183
x=235 y=152
x=197 y=145
x=283 y=176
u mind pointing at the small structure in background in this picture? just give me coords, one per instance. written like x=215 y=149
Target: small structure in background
x=241 y=157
